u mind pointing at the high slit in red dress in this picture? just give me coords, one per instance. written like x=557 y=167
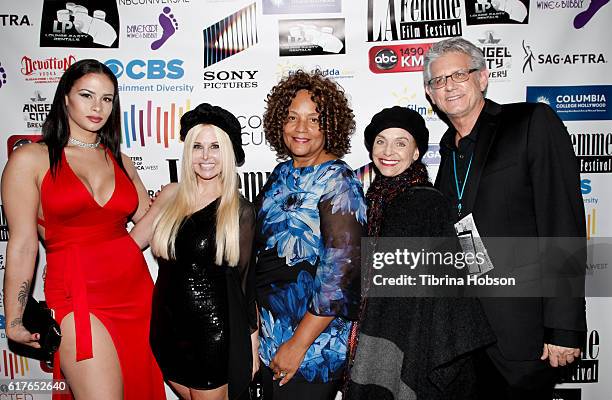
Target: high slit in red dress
x=94 y=267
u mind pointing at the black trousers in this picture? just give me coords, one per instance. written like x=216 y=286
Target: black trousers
x=296 y=390
x=501 y=379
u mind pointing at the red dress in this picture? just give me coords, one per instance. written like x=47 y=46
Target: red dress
x=94 y=267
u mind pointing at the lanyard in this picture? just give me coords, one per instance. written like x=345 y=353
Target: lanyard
x=460 y=192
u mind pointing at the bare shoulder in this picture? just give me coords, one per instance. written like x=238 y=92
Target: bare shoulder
x=32 y=157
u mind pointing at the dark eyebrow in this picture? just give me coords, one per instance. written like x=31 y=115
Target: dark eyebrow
x=196 y=142
x=392 y=138
x=92 y=92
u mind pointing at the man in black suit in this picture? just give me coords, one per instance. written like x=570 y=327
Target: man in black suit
x=512 y=167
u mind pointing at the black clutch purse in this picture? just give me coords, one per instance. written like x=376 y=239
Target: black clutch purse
x=38 y=318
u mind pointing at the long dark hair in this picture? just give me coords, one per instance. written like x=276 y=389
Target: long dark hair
x=56 y=130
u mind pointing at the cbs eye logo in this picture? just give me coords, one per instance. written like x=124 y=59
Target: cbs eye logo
x=385 y=59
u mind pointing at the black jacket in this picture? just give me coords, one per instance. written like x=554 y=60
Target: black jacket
x=524 y=182
x=418 y=346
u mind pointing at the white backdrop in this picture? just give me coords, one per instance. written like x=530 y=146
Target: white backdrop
x=171 y=55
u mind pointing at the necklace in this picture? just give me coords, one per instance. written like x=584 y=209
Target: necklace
x=85 y=145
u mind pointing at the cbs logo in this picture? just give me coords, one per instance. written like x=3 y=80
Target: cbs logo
x=149 y=69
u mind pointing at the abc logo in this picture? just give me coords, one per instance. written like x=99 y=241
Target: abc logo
x=385 y=59
x=149 y=69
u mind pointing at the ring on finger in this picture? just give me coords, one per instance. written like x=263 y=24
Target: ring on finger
x=282 y=374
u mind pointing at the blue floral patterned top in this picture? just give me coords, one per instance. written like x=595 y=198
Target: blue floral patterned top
x=308 y=237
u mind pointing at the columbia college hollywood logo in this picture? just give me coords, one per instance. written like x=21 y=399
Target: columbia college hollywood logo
x=575 y=103
x=413 y=19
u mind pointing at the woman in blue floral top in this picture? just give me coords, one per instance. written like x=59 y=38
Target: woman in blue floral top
x=311 y=214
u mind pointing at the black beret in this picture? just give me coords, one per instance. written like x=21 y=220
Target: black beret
x=214 y=115
x=398 y=117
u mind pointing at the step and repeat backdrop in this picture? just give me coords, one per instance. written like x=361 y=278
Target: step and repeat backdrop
x=171 y=55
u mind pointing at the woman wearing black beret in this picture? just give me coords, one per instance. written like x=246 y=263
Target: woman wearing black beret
x=204 y=322
x=411 y=347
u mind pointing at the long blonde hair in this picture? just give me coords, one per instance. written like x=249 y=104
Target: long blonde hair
x=170 y=218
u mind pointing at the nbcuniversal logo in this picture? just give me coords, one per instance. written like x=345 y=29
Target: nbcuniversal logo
x=157 y=125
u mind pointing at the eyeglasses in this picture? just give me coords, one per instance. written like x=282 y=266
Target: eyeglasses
x=458 y=76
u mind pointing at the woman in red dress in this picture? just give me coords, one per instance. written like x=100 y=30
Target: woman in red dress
x=76 y=190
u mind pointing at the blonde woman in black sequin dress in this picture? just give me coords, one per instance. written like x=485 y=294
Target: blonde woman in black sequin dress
x=204 y=323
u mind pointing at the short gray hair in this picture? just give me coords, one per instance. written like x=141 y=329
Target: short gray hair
x=452 y=45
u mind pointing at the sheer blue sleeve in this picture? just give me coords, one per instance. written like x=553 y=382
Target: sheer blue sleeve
x=342 y=214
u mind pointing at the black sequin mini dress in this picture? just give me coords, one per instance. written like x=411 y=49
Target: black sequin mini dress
x=192 y=334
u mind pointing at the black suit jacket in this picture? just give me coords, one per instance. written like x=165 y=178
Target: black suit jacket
x=524 y=182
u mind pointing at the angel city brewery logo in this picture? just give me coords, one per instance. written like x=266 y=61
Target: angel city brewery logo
x=89 y=24
x=232 y=35
x=35 y=110
x=530 y=59
x=479 y=12
x=586 y=369
x=15 y=20
x=593 y=151
x=413 y=19
x=398 y=58
x=159 y=33
x=2 y=76
x=45 y=70
x=497 y=56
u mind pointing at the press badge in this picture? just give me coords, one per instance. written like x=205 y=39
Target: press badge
x=471 y=243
